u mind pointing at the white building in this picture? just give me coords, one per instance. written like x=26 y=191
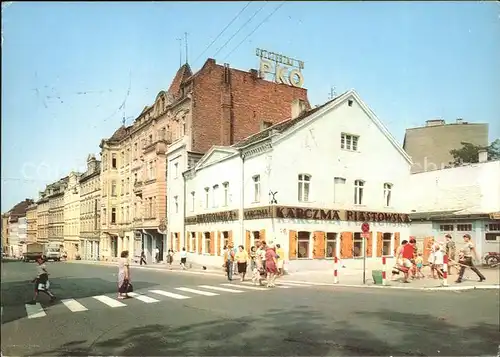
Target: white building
x=72 y=216
x=457 y=201
x=22 y=230
x=306 y=183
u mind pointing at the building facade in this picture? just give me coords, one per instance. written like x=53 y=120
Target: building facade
x=17 y=228
x=307 y=183
x=56 y=211
x=22 y=230
x=31 y=216
x=15 y=248
x=217 y=105
x=429 y=146
x=42 y=213
x=457 y=201
x=90 y=207
x=72 y=216
x=5 y=233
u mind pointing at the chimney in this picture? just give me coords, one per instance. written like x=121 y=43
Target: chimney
x=298 y=107
x=483 y=155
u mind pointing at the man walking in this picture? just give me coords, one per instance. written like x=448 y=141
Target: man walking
x=468 y=252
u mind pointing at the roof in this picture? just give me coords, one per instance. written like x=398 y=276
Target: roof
x=19 y=210
x=446 y=215
x=119 y=134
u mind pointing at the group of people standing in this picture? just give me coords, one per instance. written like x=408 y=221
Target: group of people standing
x=266 y=262
x=411 y=262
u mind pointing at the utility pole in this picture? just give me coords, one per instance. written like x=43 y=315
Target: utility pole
x=186 y=43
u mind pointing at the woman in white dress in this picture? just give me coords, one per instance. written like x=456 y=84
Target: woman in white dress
x=123 y=275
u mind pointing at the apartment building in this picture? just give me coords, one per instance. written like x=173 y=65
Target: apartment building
x=5 y=233
x=56 y=211
x=217 y=105
x=72 y=216
x=31 y=216
x=42 y=214
x=17 y=227
x=90 y=207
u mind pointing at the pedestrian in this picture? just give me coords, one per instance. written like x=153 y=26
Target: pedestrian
x=281 y=259
x=170 y=258
x=419 y=263
x=468 y=253
x=229 y=261
x=157 y=255
x=123 y=275
x=399 y=259
x=242 y=261
x=252 y=258
x=438 y=260
x=183 y=258
x=42 y=284
x=451 y=250
x=271 y=265
x=143 y=258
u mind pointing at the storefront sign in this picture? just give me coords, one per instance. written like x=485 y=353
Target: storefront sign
x=274 y=64
x=257 y=213
x=212 y=217
x=307 y=213
x=377 y=217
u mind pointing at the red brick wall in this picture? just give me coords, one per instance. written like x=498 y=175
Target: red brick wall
x=252 y=101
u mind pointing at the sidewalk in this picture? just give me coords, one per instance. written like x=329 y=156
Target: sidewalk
x=346 y=277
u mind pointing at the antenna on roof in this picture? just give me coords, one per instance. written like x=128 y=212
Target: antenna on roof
x=332 y=93
x=186 y=43
x=180 y=51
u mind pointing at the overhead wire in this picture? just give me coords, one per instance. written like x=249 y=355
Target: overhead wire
x=241 y=28
x=223 y=30
x=255 y=29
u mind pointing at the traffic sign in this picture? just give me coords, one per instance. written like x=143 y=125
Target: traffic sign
x=365 y=227
x=365 y=235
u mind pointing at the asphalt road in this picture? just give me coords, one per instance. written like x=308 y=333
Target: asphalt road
x=294 y=321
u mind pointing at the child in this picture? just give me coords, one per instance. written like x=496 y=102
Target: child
x=42 y=281
x=419 y=262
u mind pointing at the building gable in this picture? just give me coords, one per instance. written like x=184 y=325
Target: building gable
x=214 y=155
x=347 y=96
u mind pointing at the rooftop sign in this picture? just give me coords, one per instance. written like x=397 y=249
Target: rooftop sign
x=276 y=66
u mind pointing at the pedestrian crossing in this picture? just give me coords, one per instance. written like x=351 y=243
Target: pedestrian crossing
x=39 y=310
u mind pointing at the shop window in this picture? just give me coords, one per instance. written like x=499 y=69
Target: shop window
x=303 y=245
x=331 y=245
x=386 y=243
x=193 y=241
x=494 y=227
x=358 y=245
x=446 y=227
x=207 y=242
x=464 y=227
x=225 y=239
x=304 y=187
x=256 y=237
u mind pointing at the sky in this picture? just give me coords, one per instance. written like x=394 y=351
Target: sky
x=72 y=71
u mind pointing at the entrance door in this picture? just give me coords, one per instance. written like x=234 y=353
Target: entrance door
x=159 y=245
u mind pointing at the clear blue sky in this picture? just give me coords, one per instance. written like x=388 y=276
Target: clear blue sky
x=66 y=67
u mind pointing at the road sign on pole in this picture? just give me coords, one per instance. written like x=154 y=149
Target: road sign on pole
x=365 y=227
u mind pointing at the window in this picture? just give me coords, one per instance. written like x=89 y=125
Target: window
x=349 y=142
x=193 y=197
x=492 y=237
x=331 y=245
x=207 y=242
x=494 y=227
x=387 y=194
x=193 y=241
x=122 y=158
x=150 y=208
x=215 y=197
x=464 y=227
x=225 y=185
x=256 y=237
x=338 y=189
x=386 y=244
x=113 y=215
x=303 y=245
x=304 y=185
x=176 y=170
x=113 y=188
x=206 y=196
x=358 y=245
x=113 y=161
x=349 y=102
x=122 y=215
x=128 y=185
x=225 y=239
x=256 y=188
x=127 y=215
x=446 y=227
x=358 y=192
x=176 y=204
x=123 y=187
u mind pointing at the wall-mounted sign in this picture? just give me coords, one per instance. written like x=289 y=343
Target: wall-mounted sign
x=307 y=213
x=278 y=66
x=359 y=216
x=225 y=216
x=257 y=213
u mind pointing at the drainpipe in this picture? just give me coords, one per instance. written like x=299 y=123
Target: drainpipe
x=242 y=199
x=184 y=211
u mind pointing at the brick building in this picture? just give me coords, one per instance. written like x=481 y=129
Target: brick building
x=218 y=105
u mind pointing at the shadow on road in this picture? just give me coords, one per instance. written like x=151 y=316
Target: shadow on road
x=302 y=332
